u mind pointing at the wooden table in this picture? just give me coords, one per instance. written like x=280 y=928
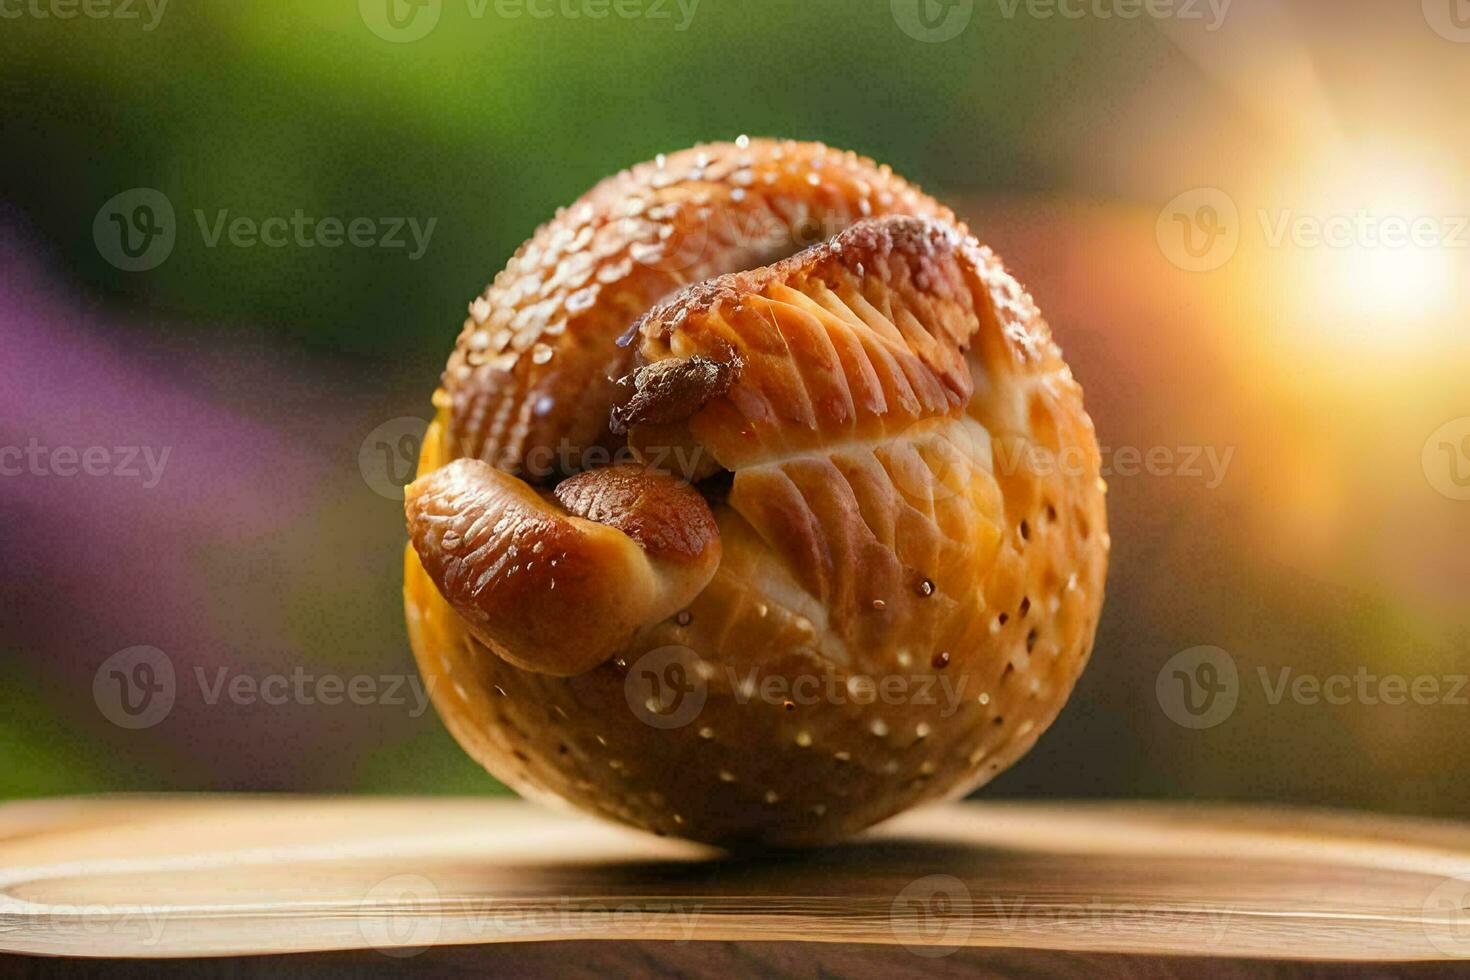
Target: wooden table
x=333 y=886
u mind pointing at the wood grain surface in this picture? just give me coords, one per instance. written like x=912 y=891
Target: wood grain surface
x=1000 y=889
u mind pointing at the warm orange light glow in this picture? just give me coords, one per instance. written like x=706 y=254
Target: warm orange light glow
x=1373 y=251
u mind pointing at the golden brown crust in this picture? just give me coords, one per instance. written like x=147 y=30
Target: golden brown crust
x=923 y=244
x=535 y=361
x=552 y=591
x=807 y=378
x=665 y=515
x=910 y=500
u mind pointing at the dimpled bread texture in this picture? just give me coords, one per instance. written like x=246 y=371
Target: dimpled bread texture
x=911 y=522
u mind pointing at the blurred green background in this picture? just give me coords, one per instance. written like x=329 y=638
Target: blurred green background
x=264 y=547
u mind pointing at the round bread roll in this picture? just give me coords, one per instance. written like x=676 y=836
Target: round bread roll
x=759 y=505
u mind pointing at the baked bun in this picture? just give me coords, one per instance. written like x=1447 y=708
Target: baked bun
x=749 y=542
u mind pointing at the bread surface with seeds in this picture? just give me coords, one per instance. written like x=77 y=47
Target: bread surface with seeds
x=760 y=505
